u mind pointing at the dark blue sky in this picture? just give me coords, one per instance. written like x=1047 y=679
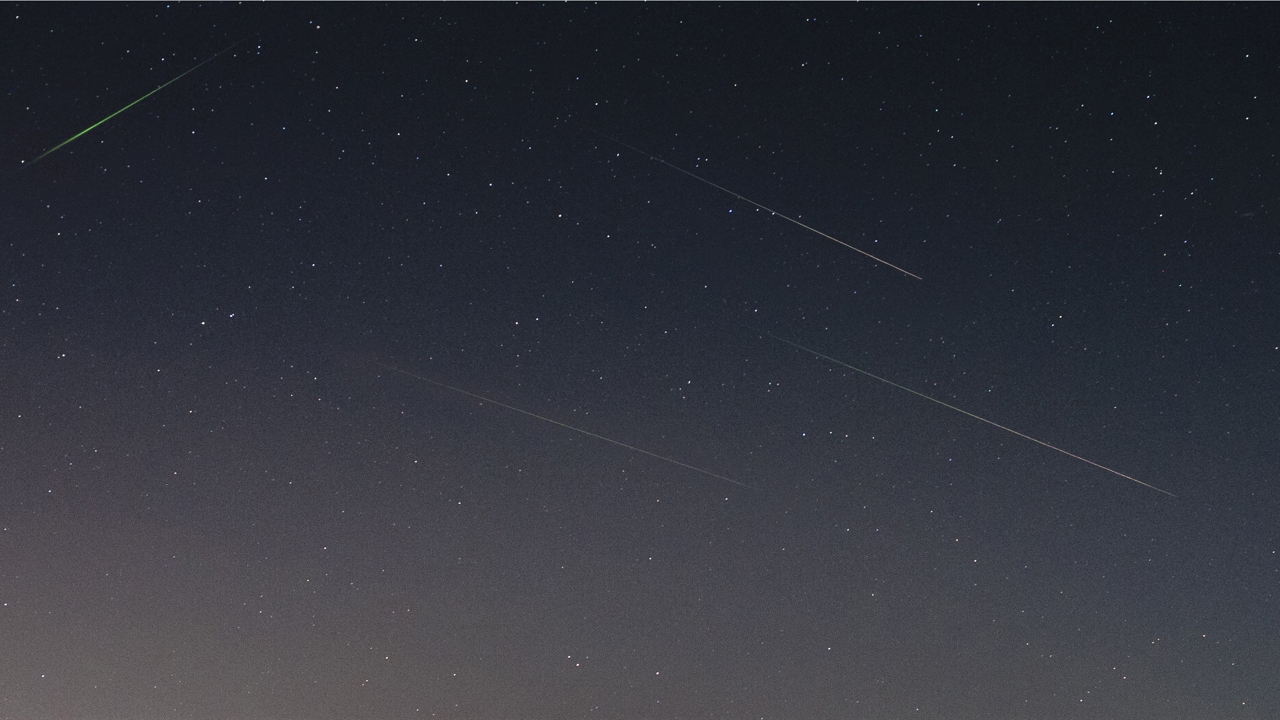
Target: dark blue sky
x=217 y=501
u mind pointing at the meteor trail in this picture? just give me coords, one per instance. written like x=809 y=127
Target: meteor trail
x=966 y=412
x=563 y=425
x=85 y=131
x=753 y=202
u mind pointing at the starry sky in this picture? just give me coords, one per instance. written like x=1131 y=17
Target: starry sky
x=241 y=475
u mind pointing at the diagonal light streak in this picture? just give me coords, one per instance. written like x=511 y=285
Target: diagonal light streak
x=89 y=129
x=563 y=425
x=723 y=189
x=966 y=412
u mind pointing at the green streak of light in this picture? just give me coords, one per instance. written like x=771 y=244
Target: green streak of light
x=87 y=130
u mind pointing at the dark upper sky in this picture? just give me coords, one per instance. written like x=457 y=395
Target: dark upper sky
x=217 y=500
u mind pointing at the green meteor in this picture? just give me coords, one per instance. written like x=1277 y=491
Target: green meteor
x=86 y=131
x=966 y=412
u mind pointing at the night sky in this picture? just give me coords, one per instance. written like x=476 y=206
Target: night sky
x=225 y=494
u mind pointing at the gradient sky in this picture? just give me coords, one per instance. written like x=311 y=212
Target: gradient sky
x=219 y=498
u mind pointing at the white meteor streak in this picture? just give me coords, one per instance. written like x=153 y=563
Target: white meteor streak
x=966 y=412
x=723 y=189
